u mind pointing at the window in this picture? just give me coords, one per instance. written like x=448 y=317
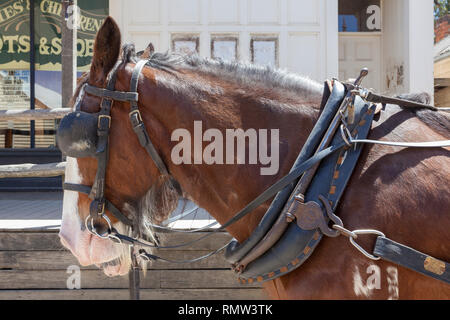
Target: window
x=224 y=48
x=186 y=44
x=264 y=51
x=18 y=82
x=359 y=16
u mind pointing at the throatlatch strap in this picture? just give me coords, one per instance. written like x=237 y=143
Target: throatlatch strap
x=138 y=124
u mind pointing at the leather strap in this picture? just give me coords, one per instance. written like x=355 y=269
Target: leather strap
x=377 y=98
x=110 y=94
x=108 y=205
x=138 y=124
x=409 y=258
x=97 y=206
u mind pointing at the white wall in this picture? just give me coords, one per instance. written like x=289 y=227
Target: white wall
x=306 y=30
x=407 y=46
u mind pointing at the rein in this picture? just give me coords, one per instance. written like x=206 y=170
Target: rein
x=100 y=203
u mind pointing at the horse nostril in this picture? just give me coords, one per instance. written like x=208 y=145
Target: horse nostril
x=101 y=228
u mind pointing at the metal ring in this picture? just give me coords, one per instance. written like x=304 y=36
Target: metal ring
x=114 y=238
x=344 y=232
x=357 y=246
x=348 y=141
x=92 y=230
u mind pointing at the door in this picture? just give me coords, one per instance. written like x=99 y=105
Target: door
x=357 y=51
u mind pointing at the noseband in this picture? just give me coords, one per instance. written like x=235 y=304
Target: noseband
x=81 y=134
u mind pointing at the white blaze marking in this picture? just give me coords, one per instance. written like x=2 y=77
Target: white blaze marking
x=70 y=223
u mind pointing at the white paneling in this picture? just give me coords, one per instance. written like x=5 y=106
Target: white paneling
x=264 y=11
x=142 y=39
x=306 y=30
x=184 y=11
x=143 y=12
x=305 y=57
x=303 y=12
x=357 y=52
x=223 y=12
x=363 y=50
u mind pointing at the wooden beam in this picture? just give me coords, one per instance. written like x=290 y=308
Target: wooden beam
x=32 y=170
x=49 y=240
x=39 y=114
x=146 y=294
x=61 y=259
x=441 y=82
x=69 y=50
x=95 y=279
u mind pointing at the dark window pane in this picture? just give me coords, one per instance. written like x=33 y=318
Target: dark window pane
x=359 y=16
x=264 y=51
x=224 y=48
x=185 y=44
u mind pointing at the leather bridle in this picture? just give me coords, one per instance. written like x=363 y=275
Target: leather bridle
x=99 y=203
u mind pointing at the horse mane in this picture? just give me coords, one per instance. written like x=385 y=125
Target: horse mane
x=242 y=73
x=438 y=121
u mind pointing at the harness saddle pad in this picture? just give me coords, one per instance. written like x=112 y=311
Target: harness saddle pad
x=296 y=244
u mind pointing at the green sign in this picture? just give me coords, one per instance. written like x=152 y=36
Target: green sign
x=15 y=32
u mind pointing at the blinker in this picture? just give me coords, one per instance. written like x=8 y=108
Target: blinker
x=77 y=135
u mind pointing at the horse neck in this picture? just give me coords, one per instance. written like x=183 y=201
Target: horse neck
x=224 y=189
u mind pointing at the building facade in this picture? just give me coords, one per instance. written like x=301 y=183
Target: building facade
x=321 y=39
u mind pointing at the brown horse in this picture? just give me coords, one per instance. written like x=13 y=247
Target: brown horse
x=403 y=192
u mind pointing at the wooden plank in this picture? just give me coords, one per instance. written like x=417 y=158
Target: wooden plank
x=442 y=68
x=38 y=114
x=442 y=82
x=95 y=279
x=30 y=241
x=50 y=240
x=442 y=97
x=200 y=279
x=146 y=294
x=27 y=170
x=60 y=260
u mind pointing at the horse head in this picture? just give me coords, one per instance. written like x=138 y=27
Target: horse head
x=132 y=182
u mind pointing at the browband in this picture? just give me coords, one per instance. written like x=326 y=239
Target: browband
x=109 y=94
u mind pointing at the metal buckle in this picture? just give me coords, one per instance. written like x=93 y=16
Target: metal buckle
x=139 y=117
x=111 y=100
x=104 y=116
x=95 y=209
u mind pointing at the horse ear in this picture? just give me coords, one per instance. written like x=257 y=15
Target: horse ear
x=148 y=51
x=106 y=51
